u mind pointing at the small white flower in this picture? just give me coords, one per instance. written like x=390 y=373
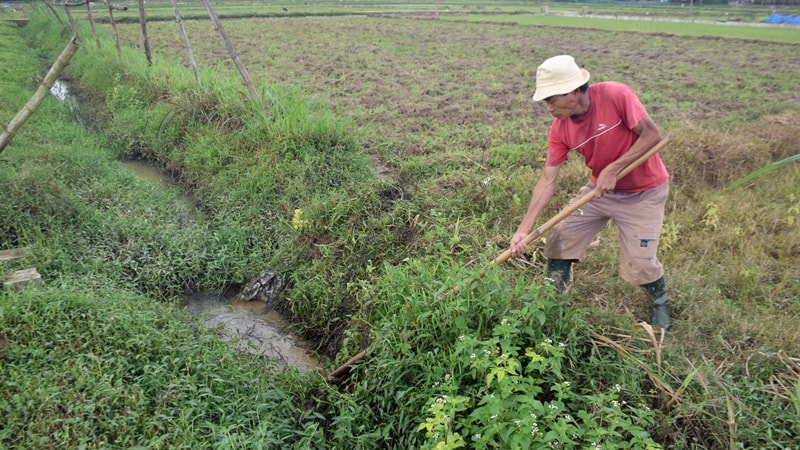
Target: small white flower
x=473 y=356
x=617 y=387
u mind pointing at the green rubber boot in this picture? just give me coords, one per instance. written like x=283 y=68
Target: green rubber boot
x=657 y=290
x=559 y=272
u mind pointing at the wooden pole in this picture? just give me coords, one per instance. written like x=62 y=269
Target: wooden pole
x=345 y=368
x=186 y=42
x=579 y=203
x=113 y=25
x=53 y=10
x=91 y=23
x=145 y=40
x=72 y=22
x=41 y=93
x=232 y=51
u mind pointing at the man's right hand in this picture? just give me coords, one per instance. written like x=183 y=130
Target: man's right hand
x=518 y=246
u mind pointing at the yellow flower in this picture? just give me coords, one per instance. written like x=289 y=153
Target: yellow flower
x=298 y=222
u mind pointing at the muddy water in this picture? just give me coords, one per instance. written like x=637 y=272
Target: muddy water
x=248 y=326
x=253 y=329
x=186 y=202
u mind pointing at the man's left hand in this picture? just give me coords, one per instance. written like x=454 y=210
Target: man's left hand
x=605 y=183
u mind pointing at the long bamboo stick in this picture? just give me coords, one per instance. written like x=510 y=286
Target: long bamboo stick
x=577 y=204
x=41 y=93
x=533 y=236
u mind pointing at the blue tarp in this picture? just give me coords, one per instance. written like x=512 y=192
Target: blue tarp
x=788 y=20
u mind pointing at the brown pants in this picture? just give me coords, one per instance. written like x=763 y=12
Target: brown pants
x=639 y=217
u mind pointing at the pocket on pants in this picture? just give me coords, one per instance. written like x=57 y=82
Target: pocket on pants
x=645 y=246
x=640 y=264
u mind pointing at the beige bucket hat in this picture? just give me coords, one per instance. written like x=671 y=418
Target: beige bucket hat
x=558 y=75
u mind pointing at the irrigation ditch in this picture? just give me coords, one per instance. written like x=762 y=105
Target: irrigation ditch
x=250 y=325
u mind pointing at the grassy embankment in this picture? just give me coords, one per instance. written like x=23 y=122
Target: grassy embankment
x=104 y=242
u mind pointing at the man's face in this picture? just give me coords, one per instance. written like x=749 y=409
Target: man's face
x=562 y=106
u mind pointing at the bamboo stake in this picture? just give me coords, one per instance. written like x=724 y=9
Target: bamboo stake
x=145 y=40
x=91 y=23
x=113 y=25
x=41 y=93
x=72 y=22
x=53 y=10
x=186 y=42
x=231 y=51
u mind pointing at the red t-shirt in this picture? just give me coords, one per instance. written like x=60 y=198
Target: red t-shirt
x=603 y=134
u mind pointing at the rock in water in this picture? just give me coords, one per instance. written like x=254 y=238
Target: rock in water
x=267 y=287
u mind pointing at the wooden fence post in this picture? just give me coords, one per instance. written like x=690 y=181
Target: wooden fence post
x=53 y=10
x=145 y=40
x=72 y=22
x=232 y=52
x=91 y=22
x=113 y=25
x=186 y=42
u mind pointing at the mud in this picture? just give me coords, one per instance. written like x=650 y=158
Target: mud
x=252 y=329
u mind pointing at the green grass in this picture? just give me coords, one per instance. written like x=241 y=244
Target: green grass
x=376 y=262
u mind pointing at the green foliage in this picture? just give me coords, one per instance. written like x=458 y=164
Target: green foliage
x=492 y=365
x=519 y=397
x=762 y=171
x=375 y=261
x=98 y=367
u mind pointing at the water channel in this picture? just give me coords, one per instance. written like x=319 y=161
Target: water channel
x=249 y=326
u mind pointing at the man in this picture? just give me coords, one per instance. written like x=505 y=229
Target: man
x=607 y=124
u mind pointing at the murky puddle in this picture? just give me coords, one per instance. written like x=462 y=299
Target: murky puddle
x=253 y=329
x=248 y=326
